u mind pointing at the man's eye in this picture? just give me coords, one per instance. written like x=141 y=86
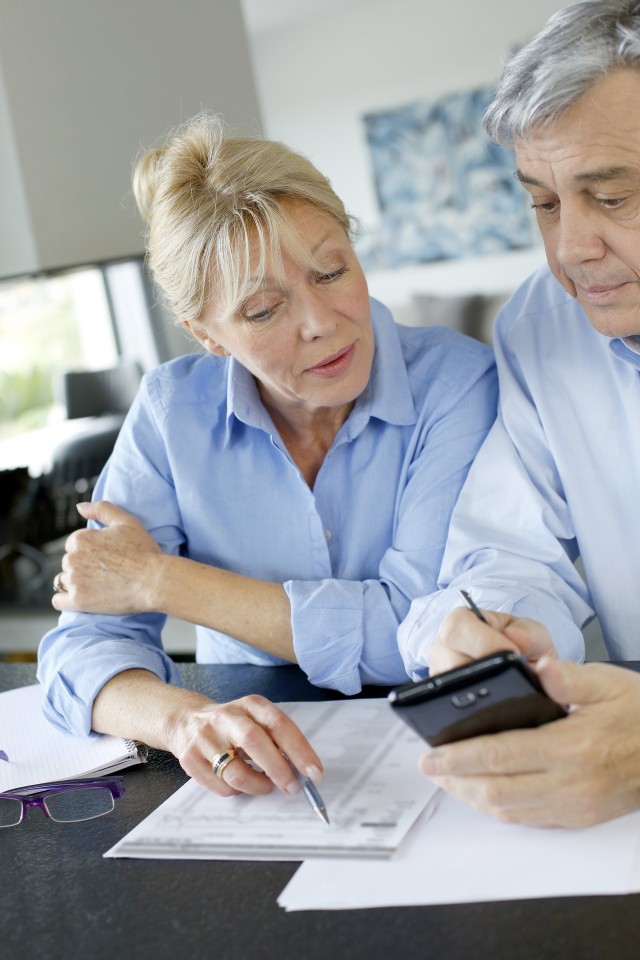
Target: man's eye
x=611 y=203
x=548 y=206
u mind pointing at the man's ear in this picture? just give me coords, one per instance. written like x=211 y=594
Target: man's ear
x=209 y=344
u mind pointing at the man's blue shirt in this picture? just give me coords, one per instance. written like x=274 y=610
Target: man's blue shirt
x=557 y=477
x=201 y=465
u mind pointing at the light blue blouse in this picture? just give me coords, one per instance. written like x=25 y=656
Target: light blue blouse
x=202 y=466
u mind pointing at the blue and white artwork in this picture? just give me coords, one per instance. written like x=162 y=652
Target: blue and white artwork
x=445 y=190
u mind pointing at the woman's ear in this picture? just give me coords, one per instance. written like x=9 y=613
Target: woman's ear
x=209 y=344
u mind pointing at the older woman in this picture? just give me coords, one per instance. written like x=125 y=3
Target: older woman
x=288 y=489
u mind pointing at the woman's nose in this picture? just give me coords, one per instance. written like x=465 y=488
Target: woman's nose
x=318 y=317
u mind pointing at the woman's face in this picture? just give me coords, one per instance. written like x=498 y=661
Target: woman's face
x=308 y=340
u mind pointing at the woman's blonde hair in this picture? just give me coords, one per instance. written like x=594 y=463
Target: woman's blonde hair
x=206 y=196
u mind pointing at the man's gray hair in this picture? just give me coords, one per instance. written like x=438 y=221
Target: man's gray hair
x=578 y=45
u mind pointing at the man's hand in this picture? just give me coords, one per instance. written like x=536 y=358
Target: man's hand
x=574 y=772
x=113 y=570
x=463 y=637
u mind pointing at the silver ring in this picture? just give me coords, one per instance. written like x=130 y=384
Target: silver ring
x=57 y=584
x=222 y=760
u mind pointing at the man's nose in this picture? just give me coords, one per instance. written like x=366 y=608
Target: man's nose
x=579 y=236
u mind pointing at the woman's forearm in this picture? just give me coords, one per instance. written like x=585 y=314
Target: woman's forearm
x=136 y=704
x=255 y=612
x=121 y=570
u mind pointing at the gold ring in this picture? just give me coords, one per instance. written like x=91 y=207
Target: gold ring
x=57 y=585
x=222 y=760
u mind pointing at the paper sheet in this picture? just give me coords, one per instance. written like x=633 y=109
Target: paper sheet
x=460 y=856
x=38 y=752
x=372 y=789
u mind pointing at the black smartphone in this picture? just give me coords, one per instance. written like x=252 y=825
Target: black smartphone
x=498 y=692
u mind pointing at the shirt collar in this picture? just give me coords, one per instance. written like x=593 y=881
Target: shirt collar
x=633 y=343
x=626 y=348
x=243 y=400
x=387 y=395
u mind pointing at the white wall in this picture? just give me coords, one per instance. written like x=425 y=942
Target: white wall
x=319 y=74
x=17 y=245
x=86 y=84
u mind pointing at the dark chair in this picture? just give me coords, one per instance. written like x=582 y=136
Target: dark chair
x=24 y=512
x=82 y=455
x=37 y=512
x=92 y=393
x=103 y=398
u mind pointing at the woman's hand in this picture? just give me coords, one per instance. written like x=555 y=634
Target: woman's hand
x=261 y=734
x=138 y=704
x=121 y=570
x=114 y=570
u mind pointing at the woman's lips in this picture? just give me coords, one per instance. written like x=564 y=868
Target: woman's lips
x=335 y=365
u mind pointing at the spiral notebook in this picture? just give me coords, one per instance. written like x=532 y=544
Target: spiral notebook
x=38 y=752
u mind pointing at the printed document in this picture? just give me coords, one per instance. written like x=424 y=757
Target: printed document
x=371 y=787
x=462 y=856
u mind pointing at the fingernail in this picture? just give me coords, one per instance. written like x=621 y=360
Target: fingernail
x=313 y=772
x=430 y=763
x=293 y=787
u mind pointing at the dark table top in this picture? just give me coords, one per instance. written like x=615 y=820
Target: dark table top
x=60 y=898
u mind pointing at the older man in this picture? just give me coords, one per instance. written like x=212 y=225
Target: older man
x=559 y=474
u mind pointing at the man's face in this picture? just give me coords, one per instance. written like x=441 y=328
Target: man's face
x=583 y=174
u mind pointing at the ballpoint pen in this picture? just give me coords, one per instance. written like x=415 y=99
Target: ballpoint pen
x=312 y=793
x=471 y=605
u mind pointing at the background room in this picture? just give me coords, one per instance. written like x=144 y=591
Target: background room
x=385 y=96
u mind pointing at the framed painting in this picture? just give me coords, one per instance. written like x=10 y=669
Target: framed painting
x=444 y=189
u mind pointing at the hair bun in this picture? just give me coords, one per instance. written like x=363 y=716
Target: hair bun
x=144 y=180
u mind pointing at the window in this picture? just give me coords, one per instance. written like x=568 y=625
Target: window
x=47 y=325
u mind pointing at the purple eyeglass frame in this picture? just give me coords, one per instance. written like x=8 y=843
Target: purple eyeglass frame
x=36 y=794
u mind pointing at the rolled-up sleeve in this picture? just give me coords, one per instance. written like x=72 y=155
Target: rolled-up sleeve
x=84 y=652
x=79 y=656
x=537 y=601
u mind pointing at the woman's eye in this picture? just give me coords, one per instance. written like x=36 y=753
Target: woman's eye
x=331 y=275
x=260 y=312
x=260 y=315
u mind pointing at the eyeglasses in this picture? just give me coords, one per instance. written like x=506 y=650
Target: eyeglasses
x=69 y=801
